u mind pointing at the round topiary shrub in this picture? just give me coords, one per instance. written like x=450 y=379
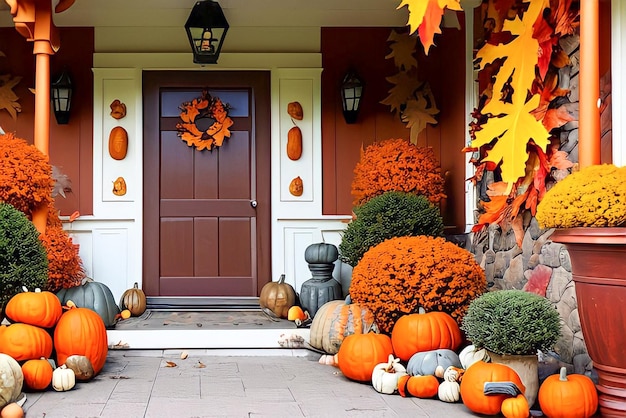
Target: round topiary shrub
x=392 y=214
x=23 y=260
x=512 y=322
x=401 y=274
x=397 y=164
x=25 y=175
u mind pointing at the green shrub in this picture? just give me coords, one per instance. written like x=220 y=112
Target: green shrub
x=512 y=322
x=392 y=214
x=23 y=259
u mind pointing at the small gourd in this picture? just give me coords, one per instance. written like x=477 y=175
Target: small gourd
x=63 y=379
x=453 y=374
x=516 y=407
x=329 y=360
x=81 y=366
x=449 y=391
x=294 y=143
x=385 y=375
x=296 y=187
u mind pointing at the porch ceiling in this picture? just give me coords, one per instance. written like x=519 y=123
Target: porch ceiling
x=241 y=13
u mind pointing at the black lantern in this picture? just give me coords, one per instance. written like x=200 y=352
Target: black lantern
x=61 y=94
x=206 y=29
x=351 y=92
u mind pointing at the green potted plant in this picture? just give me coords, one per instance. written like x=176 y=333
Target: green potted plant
x=588 y=211
x=391 y=214
x=512 y=325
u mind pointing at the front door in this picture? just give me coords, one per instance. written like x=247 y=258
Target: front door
x=206 y=213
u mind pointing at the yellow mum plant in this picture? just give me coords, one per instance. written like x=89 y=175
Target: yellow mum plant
x=594 y=196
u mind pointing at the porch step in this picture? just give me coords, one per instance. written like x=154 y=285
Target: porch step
x=215 y=329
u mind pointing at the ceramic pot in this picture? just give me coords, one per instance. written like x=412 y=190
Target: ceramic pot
x=597 y=256
x=526 y=367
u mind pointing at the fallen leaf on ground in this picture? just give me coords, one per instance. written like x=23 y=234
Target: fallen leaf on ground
x=200 y=365
x=170 y=364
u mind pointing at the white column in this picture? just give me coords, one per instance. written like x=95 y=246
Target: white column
x=618 y=88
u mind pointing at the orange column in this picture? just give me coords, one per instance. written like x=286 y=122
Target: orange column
x=42 y=103
x=589 y=112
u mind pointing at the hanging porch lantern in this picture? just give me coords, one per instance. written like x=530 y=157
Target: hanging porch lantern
x=351 y=92
x=61 y=93
x=206 y=29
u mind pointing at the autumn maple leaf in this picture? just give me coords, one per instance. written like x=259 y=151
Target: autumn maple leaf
x=8 y=99
x=425 y=17
x=417 y=115
x=402 y=49
x=404 y=86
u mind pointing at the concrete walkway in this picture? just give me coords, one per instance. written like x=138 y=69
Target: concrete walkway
x=226 y=383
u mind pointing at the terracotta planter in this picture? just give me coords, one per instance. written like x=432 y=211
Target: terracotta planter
x=526 y=367
x=598 y=257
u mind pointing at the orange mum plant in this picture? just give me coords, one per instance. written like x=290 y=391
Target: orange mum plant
x=400 y=275
x=25 y=175
x=25 y=183
x=397 y=164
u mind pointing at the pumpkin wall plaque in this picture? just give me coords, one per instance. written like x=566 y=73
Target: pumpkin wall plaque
x=209 y=109
x=118 y=143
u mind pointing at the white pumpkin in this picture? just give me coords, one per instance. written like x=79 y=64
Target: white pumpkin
x=453 y=374
x=385 y=375
x=11 y=380
x=63 y=379
x=329 y=360
x=470 y=355
x=449 y=391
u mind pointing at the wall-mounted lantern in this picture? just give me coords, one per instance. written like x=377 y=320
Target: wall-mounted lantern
x=61 y=94
x=206 y=29
x=351 y=92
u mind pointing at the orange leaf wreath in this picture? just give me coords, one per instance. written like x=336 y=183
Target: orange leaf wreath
x=204 y=107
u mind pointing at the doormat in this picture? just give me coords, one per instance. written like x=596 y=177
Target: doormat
x=188 y=320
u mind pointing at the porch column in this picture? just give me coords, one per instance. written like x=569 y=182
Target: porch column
x=589 y=117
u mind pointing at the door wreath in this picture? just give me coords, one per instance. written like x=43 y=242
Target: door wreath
x=205 y=109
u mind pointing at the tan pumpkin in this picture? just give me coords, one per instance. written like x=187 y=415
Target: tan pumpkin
x=81 y=366
x=11 y=380
x=278 y=297
x=294 y=143
x=118 y=143
x=134 y=300
x=335 y=320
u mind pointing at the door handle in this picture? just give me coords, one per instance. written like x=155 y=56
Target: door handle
x=253 y=203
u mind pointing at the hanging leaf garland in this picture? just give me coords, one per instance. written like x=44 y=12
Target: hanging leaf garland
x=211 y=109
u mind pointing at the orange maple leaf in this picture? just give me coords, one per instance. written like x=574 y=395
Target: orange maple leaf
x=425 y=17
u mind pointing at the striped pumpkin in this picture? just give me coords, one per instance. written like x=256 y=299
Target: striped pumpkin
x=335 y=320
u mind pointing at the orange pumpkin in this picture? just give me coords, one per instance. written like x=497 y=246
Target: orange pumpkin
x=473 y=383
x=360 y=353
x=419 y=386
x=81 y=331
x=418 y=332
x=563 y=396
x=42 y=309
x=516 y=407
x=25 y=342
x=37 y=374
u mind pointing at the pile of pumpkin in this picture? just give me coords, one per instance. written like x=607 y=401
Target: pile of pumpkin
x=43 y=334
x=421 y=358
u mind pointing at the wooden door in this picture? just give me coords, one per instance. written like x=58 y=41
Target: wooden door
x=206 y=213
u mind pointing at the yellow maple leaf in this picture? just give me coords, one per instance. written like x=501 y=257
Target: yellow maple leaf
x=513 y=123
x=426 y=15
x=402 y=49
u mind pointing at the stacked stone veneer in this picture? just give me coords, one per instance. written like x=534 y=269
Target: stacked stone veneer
x=541 y=266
